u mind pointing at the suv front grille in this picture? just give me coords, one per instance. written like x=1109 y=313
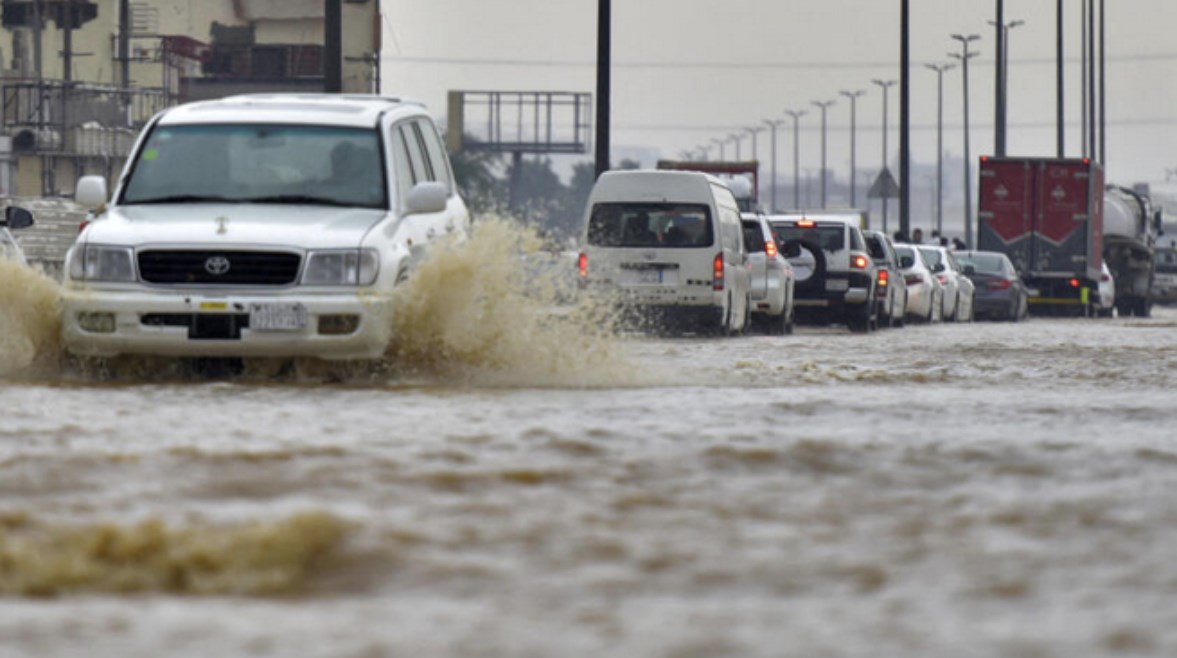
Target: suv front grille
x=240 y=268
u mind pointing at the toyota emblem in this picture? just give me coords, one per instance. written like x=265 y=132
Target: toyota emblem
x=217 y=265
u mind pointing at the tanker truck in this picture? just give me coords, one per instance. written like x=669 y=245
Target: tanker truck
x=1130 y=229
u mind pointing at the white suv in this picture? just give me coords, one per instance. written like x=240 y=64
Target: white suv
x=266 y=225
x=835 y=275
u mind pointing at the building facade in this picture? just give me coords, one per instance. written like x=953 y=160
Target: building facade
x=79 y=78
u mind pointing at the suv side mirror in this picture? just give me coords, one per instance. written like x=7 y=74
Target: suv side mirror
x=906 y=262
x=426 y=197
x=15 y=217
x=91 y=191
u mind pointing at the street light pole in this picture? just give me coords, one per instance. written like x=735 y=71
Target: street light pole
x=853 y=96
x=1002 y=91
x=885 y=85
x=940 y=69
x=737 y=138
x=823 y=105
x=964 y=56
x=796 y=114
x=720 y=143
x=772 y=126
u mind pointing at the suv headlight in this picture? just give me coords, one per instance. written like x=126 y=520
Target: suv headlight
x=341 y=267
x=92 y=262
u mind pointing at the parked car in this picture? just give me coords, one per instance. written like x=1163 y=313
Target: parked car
x=958 y=289
x=1104 y=303
x=771 y=277
x=668 y=246
x=835 y=275
x=1000 y=292
x=925 y=293
x=14 y=218
x=269 y=225
x=891 y=286
x=1164 y=286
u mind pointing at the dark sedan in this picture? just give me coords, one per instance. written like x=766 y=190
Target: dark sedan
x=1000 y=292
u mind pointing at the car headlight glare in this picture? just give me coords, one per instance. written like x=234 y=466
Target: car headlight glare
x=341 y=267
x=102 y=263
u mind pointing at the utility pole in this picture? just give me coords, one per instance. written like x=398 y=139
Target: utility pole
x=753 y=131
x=604 y=65
x=720 y=143
x=333 y=47
x=823 y=105
x=1083 y=121
x=1103 y=154
x=999 y=82
x=796 y=114
x=772 y=126
x=964 y=56
x=905 y=119
x=885 y=85
x=853 y=96
x=737 y=138
x=940 y=69
x=1059 y=82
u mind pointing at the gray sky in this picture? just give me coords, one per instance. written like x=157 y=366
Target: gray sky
x=688 y=71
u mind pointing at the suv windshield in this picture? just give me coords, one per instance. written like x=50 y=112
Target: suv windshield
x=650 y=225
x=259 y=164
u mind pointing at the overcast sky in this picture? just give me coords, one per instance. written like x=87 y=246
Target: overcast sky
x=688 y=71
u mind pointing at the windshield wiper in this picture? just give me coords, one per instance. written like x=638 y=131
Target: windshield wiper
x=297 y=199
x=186 y=198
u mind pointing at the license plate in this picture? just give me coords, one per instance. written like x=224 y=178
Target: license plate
x=651 y=277
x=277 y=317
x=837 y=284
x=1033 y=292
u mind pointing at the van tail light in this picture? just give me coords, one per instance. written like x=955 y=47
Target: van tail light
x=859 y=261
x=884 y=275
x=582 y=268
x=717 y=272
x=913 y=279
x=998 y=284
x=770 y=248
x=1074 y=283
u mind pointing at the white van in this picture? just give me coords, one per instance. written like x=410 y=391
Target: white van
x=669 y=246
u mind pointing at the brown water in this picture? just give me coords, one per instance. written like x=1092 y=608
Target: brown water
x=517 y=484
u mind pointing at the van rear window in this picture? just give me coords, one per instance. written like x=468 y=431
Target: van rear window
x=650 y=225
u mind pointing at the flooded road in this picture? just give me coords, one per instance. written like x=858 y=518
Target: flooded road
x=958 y=490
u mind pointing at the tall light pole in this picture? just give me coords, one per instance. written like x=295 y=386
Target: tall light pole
x=1001 y=94
x=940 y=69
x=964 y=56
x=720 y=143
x=823 y=105
x=853 y=96
x=737 y=138
x=1060 y=96
x=885 y=85
x=796 y=114
x=753 y=131
x=772 y=126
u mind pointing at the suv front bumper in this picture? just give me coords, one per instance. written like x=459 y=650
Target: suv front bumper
x=206 y=324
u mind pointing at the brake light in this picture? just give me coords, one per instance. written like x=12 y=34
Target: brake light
x=582 y=268
x=1074 y=283
x=883 y=275
x=859 y=262
x=717 y=272
x=998 y=284
x=913 y=280
x=943 y=279
x=770 y=249
x=806 y=223
x=82 y=226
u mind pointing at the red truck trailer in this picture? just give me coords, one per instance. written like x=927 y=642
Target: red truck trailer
x=1046 y=214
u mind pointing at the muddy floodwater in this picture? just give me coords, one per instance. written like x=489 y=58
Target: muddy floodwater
x=958 y=490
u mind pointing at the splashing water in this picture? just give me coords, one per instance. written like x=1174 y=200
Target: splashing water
x=30 y=321
x=476 y=310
